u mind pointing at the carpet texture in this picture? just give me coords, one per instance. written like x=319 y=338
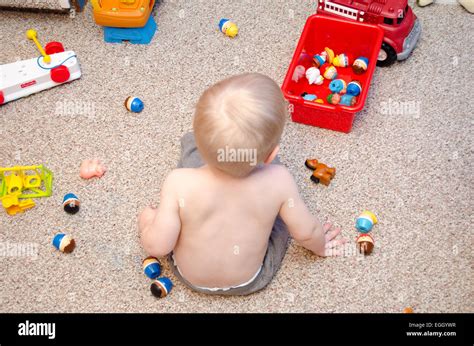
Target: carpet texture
x=409 y=159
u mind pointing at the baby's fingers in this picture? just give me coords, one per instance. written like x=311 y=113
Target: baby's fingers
x=333 y=234
x=327 y=227
x=335 y=243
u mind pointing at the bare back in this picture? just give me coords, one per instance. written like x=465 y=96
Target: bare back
x=225 y=224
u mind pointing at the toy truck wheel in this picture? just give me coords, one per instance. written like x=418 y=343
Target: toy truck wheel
x=387 y=55
x=54 y=47
x=314 y=179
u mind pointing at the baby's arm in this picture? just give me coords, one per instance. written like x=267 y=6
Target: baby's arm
x=160 y=227
x=304 y=227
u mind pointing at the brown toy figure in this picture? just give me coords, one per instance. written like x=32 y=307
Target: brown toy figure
x=321 y=173
x=365 y=243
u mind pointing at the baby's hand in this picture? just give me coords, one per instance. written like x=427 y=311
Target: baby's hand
x=146 y=217
x=333 y=247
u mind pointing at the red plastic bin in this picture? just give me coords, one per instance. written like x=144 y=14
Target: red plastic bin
x=342 y=36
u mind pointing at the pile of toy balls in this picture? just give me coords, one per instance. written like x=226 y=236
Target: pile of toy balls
x=364 y=224
x=160 y=287
x=324 y=67
x=63 y=242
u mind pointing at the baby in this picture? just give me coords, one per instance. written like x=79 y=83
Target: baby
x=226 y=213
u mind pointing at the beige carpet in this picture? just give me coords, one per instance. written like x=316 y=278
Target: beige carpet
x=412 y=168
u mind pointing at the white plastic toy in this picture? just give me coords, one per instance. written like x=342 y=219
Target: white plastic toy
x=53 y=67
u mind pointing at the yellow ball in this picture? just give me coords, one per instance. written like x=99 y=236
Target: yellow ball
x=31 y=34
x=232 y=31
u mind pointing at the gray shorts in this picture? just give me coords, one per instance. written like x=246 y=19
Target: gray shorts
x=277 y=243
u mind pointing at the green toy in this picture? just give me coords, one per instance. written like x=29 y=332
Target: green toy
x=19 y=184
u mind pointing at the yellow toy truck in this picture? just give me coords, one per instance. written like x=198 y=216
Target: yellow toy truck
x=122 y=13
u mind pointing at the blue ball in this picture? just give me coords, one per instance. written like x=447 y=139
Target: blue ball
x=151 y=267
x=64 y=242
x=71 y=203
x=69 y=196
x=347 y=100
x=354 y=88
x=134 y=104
x=161 y=287
x=222 y=22
x=337 y=85
x=57 y=240
x=364 y=225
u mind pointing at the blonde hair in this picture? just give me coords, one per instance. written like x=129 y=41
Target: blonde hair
x=242 y=114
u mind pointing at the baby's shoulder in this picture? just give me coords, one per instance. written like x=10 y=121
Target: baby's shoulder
x=277 y=171
x=179 y=178
x=277 y=175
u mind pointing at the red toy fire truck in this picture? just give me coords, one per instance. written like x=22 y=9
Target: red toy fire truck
x=401 y=26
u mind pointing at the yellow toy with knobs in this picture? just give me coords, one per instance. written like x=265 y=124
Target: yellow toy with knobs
x=19 y=184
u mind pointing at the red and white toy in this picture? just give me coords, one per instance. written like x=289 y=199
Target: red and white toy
x=53 y=67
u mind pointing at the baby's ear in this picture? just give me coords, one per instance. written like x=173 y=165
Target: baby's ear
x=272 y=155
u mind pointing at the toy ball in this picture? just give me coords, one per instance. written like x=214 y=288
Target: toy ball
x=360 y=65
x=71 y=203
x=309 y=97
x=365 y=244
x=330 y=54
x=328 y=71
x=365 y=222
x=348 y=100
x=227 y=27
x=354 y=88
x=161 y=287
x=334 y=99
x=151 y=267
x=341 y=60
x=134 y=104
x=64 y=243
x=319 y=59
x=338 y=86
x=298 y=73
x=314 y=76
